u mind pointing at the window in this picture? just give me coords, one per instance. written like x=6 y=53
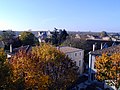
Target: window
x=80 y=63
x=80 y=53
x=75 y=54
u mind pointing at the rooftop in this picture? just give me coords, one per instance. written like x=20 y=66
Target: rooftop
x=109 y=50
x=26 y=48
x=67 y=49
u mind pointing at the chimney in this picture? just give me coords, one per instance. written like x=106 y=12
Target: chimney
x=93 y=47
x=101 y=46
x=10 y=48
x=38 y=33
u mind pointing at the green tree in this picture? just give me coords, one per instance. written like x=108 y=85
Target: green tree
x=7 y=37
x=28 y=38
x=58 y=36
x=62 y=36
x=44 y=67
x=103 y=34
x=54 y=38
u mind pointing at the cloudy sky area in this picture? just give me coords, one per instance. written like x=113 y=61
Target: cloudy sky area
x=73 y=15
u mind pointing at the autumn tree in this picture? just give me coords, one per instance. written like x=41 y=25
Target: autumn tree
x=28 y=38
x=4 y=72
x=116 y=68
x=44 y=67
x=108 y=68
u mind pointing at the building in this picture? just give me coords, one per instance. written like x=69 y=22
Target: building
x=92 y=58
x=43 y=35
x=107 y=38
x=49 y=35
x=93 y=37
x=77 y=36
x=77 y=55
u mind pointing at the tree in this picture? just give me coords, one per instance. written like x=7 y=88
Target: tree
x=108 y=68
x=58 y=36
x=28 y=38
x=7 y=37
x=103 y=34
x=55 y=37
x=44 y=67
x=17 y=42
x=63 y=35
x=4 y=72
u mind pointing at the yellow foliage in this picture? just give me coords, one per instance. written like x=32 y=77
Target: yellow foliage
x=43 y=67
x=2 y=55
x=108 y=67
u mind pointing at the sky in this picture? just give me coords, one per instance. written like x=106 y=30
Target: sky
x=72 y=15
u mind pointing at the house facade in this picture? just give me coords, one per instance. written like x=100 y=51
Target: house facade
x=75 y=54
x=92 y=58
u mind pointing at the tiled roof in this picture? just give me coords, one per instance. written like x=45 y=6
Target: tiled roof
x=67 y=49
x=109 y=50
x=27 y=48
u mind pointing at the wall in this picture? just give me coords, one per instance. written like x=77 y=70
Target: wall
x=78 y=57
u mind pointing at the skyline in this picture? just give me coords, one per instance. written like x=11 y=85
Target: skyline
x=72 y=15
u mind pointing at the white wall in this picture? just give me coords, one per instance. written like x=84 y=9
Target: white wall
x=93 y=63
x=92 y=69
x=92 y=59
x=78 y=57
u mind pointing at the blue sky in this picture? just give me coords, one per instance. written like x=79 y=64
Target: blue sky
x=73 y=15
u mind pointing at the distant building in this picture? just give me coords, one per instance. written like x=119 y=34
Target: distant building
x=43 y=35
x=77 y=36
x=49 y=35
x=114 y=39
x=107 y=38
x=93 y=37
x=77 y=55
